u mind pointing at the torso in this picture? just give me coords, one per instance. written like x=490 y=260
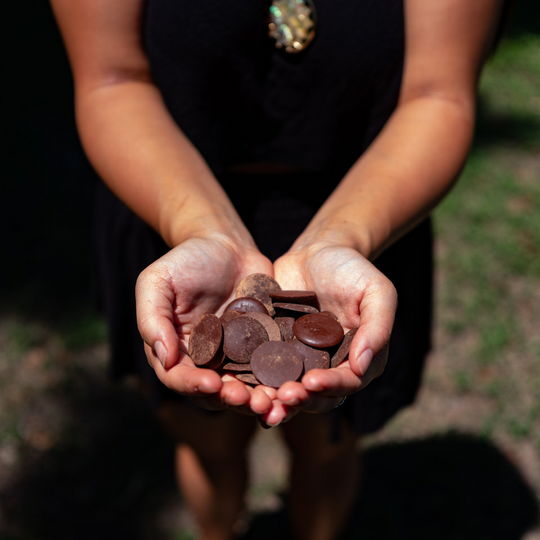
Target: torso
x=244 y=103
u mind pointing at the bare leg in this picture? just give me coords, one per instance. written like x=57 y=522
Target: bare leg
x=325 y=476
x=211 y=464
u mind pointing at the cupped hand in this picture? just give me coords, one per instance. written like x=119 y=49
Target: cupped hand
x=197 y=277
x=348 y=285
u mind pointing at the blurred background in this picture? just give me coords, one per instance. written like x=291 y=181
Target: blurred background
x=82 y=458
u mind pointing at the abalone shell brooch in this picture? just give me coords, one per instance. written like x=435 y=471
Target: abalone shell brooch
x=292 y=24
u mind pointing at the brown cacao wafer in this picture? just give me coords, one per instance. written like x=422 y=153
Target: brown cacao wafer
x=293 y=297
x=229 y=316
x=313 y=358
x=258 y=286
x=343 y=351
x=247 y=378
x=242 y=336
x=233 y=366
x=246 y=304
x=318 y=330
x=272 y=329
x=276 y=362
x=205 y=342
x=297 y=308
x=285 y=325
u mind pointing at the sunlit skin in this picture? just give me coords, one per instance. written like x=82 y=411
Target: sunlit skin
x=146 y=160
x=197 y=277
x=143 y=156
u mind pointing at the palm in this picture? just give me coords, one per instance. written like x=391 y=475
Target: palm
x=360 y=296
x=203 y=276
x=198 y=277
x=340 y=277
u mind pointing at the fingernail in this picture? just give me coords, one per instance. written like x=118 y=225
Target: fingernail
x=293 y=401
x=206 y=389
x=161 y=352
x=274 y=425
x=365 y=359
x=313 y=386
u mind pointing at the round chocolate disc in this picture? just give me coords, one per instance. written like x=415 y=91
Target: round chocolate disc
x=272 y=329
x=301 y=308
x=276 y=362
x=293 y=297
x=285 y=325
x=257 y=286
x=229 y=316
x=248 y=378
x=330 y=314
x=318 y=330
x=205 y=342
x=233 y=366
x=242 y=336
x=246 y=305
x=313 y=358
x=343 y=350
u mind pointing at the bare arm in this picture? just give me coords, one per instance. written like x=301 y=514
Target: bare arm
x=146 y=160
x=394 y=185
x=416 y=158
x=128 y=134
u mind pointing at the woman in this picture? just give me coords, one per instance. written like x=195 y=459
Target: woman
x=201 y=127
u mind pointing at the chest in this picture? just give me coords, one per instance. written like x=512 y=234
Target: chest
x=203 y=34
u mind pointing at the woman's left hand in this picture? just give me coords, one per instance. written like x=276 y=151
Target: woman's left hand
x=349 y=286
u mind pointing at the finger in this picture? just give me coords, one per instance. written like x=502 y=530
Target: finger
x=186 y=379
x=235 y=393
x=278 y=414
x=259 y=402
x=292 y=393
x=268 y=390
x=296 y=396
x=155 y=300
x=318 y=404
x=376 y=367
x=320 y=390
x=340 y=381
x=264 y=396
x=262 y=423
x=377 y=311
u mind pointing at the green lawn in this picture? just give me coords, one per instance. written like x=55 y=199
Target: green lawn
x=74 y=448
x=488 y=232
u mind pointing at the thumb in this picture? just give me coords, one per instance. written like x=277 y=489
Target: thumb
x=155 y=300
x=369 y=349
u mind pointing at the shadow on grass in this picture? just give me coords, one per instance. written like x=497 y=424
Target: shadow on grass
x=111 y=476
x=107 y=478
x=451 y=487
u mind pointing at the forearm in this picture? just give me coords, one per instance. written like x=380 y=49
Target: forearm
x=399 y=179
x=145 y=159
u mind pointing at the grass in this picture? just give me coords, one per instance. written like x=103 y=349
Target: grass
x=63 y=424
x=488 y=233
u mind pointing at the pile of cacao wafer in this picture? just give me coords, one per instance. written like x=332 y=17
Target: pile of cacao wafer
x=269 y=336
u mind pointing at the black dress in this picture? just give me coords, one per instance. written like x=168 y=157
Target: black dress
x=240 y=100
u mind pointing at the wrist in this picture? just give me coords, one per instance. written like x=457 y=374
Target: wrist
x=337 y=230
x=197 y=217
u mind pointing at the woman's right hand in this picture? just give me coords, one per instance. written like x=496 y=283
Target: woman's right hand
x=197 y=277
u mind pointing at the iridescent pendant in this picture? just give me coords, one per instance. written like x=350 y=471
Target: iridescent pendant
x=292 y=24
